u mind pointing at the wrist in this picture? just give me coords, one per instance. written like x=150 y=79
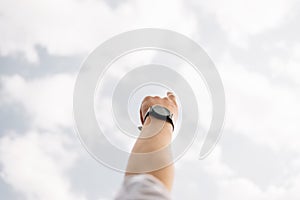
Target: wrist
x=157 y=124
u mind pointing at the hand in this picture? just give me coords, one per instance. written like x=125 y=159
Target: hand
x=168 y=102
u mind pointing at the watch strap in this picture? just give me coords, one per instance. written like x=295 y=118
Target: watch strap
x=150 y=112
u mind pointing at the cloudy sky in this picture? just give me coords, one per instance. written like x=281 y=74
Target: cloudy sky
x=255 y=46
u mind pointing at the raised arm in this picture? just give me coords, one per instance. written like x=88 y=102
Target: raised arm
x=155 y=134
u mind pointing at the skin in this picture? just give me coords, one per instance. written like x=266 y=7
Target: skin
x=159 y=135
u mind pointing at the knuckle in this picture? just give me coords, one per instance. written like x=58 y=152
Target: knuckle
x=166 y=99
x=147 y=98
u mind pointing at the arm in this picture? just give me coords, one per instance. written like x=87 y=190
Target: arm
x=160 y=136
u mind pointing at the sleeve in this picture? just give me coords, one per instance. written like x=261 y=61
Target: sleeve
x=142 y=186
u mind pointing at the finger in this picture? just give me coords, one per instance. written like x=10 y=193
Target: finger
x=171 y=96
x=147 y=98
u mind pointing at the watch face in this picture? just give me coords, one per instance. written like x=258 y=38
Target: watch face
x=161 y=110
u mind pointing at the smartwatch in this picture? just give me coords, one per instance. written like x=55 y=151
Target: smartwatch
x=159 y=112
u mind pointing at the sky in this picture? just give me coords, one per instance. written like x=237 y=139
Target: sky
x=255 y=46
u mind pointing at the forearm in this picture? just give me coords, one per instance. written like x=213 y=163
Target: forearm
x=155 y=135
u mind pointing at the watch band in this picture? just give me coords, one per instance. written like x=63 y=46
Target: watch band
x=157 y=116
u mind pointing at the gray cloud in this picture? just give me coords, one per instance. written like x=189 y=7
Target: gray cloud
x=255 y=162
x=47 y=65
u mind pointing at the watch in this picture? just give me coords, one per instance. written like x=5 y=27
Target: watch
x=161 y=113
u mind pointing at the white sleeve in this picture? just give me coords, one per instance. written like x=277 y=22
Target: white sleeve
x=142 y=186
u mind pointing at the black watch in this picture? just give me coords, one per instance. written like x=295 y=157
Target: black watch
x=161 y=113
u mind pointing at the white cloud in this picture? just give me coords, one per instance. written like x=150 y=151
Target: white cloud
x=243 y=18
x=287 y=67
x=242 y=188
x=265 y=110
x=48 y=100
x=234 y=188
x=35 y=165
x=214 y=179
x=74 y=27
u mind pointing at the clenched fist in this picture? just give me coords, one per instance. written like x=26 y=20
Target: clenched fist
x=168 y=102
